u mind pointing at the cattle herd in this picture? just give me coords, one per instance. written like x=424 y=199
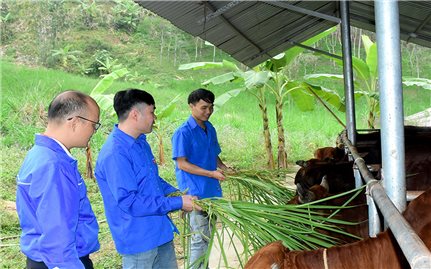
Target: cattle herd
x=330 y=172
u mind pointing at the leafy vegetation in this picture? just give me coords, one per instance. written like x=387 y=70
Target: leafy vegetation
x=366 y=80
x=50 y=46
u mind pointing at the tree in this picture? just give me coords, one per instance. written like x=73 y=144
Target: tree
x=282 y=87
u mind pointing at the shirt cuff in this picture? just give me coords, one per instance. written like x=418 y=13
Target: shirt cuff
x=176 y=203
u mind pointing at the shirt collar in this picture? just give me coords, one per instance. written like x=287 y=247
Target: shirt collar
x=126 y=138
x=193 y=124
x=64 y=148
x=53 y=144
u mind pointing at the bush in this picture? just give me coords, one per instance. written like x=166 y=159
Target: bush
x=100 y=57
x=127 y=15
x=5 y=19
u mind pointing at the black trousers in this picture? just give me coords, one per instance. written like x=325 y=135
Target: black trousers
x=30 y=264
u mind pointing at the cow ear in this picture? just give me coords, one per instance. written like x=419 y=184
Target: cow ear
x=301 y=163
x=325 y=183
x=300 y=191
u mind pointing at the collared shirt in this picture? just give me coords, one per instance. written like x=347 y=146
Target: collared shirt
x=57 y=221
x=201 y=148
x=134 y=195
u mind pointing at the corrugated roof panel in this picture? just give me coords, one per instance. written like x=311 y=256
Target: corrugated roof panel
x=261 y=29
x=277 y=40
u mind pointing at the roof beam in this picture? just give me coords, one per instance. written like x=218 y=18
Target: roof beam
x=301 y=10
x=219 y=11
x=228 y=23
x=296 y=44
x=414 y=33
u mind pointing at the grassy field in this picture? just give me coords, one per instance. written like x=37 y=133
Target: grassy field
x=26 y=93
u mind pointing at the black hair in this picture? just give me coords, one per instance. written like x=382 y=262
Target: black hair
x=66 y=104
x=125 y=100
x=201 y=94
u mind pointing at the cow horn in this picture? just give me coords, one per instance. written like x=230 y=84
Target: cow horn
x=325 y=183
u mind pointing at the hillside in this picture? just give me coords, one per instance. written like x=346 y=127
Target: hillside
x=94 y=37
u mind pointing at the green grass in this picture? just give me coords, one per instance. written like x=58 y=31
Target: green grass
x=26 y=93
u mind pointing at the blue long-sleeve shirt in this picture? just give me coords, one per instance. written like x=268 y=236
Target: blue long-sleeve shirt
x=201 y=148
x=57 y=221
x=134 y=195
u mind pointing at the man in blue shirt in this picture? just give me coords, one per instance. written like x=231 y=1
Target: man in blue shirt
x=135 y=197
x=59 y=228
x=195 y=149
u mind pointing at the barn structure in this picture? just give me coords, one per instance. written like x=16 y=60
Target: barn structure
x=254 y=31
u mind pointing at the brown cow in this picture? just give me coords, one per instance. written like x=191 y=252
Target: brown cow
x=417 y=143
x=316 y=192
x=357 y=212
x=380 y=252
x=338 y=174
x=330 y=153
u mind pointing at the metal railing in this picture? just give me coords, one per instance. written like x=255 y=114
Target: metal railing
x=415 y=251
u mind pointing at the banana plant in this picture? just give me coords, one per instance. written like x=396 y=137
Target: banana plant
x=366 y=80
x=161 y=117
x=65 y=55
x=253 y=81
x=271 y=77
x=282 y=87
x=98 y=92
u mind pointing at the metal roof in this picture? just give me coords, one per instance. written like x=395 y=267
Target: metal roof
x=254 y=31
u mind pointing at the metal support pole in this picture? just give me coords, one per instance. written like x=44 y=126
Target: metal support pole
x=358 y=178
x=348 y=71
x=374 y=225
x=391 y=100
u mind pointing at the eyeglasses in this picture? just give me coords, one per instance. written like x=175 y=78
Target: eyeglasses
x=96 y=125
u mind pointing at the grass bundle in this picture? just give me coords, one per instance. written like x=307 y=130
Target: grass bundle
x=257 y=213
x=263 y=186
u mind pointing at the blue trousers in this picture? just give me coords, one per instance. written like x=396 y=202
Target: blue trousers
x=200 y=231
x=161 y=257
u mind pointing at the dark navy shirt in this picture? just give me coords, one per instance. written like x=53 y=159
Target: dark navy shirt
x=201 y=148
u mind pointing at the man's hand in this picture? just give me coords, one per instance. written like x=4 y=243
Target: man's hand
x=218 y=174
x=188 y=203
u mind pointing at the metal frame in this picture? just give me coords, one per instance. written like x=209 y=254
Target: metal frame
x=415 y=251
x=348 y=71
x=390 y=199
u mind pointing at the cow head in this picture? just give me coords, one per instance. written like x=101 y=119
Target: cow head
x=270 y=256
x=316 y=192
x=339 y=175
x=311 y=172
